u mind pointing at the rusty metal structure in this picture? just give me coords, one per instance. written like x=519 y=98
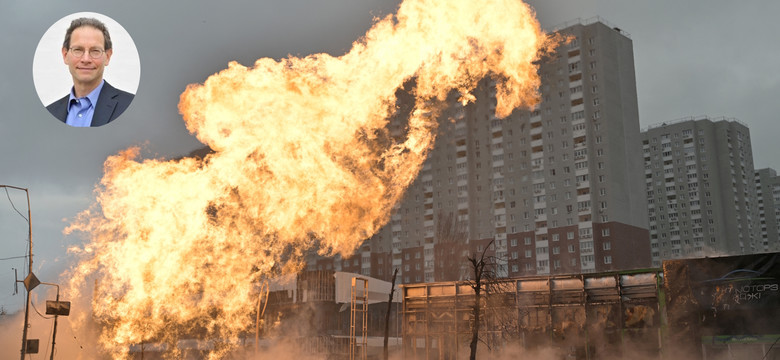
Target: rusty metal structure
x=337 y=315
x=358 y=338
x=586 y=316
x=707 y=308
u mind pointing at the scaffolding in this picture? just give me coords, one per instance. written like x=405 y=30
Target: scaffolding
x=358 y=309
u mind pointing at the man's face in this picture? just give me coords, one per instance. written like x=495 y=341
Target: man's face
x=84 y=69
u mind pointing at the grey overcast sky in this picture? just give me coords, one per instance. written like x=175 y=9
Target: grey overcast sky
x=715 y=57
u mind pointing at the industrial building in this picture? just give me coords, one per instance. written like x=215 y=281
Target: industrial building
x=709 y=308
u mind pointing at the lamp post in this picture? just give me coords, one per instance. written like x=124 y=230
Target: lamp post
x=56 y=308
x=30 y=280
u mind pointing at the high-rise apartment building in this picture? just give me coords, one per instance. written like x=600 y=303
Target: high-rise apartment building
x=700 y=189
x=768 y=192
x=556 y=189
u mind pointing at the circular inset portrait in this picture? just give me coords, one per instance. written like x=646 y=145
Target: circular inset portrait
x=86 y=69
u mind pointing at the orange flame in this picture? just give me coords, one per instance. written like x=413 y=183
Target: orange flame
x=301 y=159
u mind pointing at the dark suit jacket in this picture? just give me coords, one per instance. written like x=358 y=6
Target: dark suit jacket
x=110 y=104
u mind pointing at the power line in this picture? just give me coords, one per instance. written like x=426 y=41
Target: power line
x=14 y=257
x=39 y=313
x=14 y=206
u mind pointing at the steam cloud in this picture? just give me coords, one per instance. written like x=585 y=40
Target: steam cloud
x=302 y=159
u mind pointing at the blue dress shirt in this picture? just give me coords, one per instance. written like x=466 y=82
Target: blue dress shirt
x=80 y=110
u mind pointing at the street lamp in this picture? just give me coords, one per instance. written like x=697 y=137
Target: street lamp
x=56 y=308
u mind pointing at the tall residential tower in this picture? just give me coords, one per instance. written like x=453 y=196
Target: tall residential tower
x=556 y=189
x=700 y=189
x=768 y=192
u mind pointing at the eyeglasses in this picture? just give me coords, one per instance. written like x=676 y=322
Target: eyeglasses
x=93 y=53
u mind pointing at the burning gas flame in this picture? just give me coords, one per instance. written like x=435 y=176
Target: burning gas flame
x=302 y=159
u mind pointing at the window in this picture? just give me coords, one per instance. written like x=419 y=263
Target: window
x=607 y=245
x=608 y=259
x=605 y=232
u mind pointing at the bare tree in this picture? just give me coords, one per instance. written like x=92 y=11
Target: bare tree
x=484 y=272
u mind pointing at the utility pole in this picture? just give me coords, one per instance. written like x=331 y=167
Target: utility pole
x=387 y=315
x=264 y=288
x=54 y=332
x=30 y=276
x=56 y=308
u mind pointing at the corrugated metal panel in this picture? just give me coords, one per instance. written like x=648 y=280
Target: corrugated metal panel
x=285 y=282
x=378 y=290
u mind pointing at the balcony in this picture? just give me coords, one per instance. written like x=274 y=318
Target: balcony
x=583 y=184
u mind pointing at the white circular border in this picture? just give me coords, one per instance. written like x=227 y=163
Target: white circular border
x=51 y=76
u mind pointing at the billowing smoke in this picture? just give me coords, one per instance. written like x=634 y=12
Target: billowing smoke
x=73 y=341
x=302 y=159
